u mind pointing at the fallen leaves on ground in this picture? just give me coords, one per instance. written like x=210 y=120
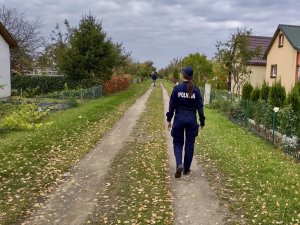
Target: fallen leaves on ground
x=137 y=186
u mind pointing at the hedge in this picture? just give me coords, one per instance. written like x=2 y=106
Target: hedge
x=48 y=84
x=117 y=83
x=246 y=91
x=277 y=95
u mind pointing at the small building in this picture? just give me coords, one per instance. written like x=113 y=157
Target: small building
x=258 y=64
x=283 y=58
x=6 y=42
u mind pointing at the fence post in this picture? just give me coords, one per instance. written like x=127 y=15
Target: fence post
x=247 y=112
x=274 y=121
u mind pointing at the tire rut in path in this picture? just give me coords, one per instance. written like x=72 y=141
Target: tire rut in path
x=74 y=200
x=195 y=203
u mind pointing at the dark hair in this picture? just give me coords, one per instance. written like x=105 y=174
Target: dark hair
x=190 y=85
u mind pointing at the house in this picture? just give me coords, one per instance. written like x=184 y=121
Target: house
x=257 y=65
x=283 y=58
x=6 y=42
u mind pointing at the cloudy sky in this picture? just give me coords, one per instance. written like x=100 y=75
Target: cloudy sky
x=160 y=30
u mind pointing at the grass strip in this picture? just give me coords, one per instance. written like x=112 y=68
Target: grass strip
x=33 y=162
x=137 y=186
x=259 y=183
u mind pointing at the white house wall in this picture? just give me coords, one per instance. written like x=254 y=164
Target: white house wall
x=4 y=69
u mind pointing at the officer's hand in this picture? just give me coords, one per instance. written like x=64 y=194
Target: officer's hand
x=202 y=127
x=169 y=126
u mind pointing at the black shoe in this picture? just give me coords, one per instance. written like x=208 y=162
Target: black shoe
x=186 y=172
x=178 y=171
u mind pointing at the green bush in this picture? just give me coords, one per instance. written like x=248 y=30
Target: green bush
x=28 y=117
x=264 y=91
x=263 y=114
x=293 y=99
x=287 y=121
x=246 y=91
x=48 y=84
x=45 y=84
x=7 y=108
x=255 y=93
x=31 y=92
x=277 y=95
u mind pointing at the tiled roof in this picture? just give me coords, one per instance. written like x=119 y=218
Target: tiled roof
x=262 y=43
x=7 y=37
x=291 y=32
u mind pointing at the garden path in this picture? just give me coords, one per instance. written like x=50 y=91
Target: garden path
x=74 y=200
x=195 y=203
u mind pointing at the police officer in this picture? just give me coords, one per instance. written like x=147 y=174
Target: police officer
x=185 y=101
x=154 y=78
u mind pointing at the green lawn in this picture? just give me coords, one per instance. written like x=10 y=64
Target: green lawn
x=260 y=183
x=137 y=185
x=256 y=180
x=32 y=162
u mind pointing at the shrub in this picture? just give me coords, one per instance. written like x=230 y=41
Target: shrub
x=31 y=92
x=45 y=84
x=117 y=83
x=287 y=121
x=254 y=96
x=263 y=114
x=264 y=91
x=48 y=84
x=246 y=91
x=277 y=95
x=293 y=99
x=7 y=108
x=28 y=117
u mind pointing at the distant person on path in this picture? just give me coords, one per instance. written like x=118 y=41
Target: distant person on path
x=154 y=78
x=185 y=101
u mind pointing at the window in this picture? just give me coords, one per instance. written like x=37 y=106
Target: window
x=273 y=71
x=281 y=39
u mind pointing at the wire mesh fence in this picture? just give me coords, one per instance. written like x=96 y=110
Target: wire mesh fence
x=281 y=126
x=79 y=94
x=68 y=98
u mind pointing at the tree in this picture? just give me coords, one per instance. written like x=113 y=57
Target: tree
x=254 y=96
x=89 y=54
x=27 y=34
x=264 y=91
x=246 y=91
x=277 y=96
x=235 y=55
x=202 y=67
x=219 y=75
x=293 y=99
x=145 y=69
x=176 y=74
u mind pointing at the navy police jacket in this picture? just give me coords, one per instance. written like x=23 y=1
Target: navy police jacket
x=180 y=101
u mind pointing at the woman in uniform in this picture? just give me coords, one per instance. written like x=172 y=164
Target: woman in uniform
x=185 y=101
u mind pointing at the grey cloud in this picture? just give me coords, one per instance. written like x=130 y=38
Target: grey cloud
x=163 y=29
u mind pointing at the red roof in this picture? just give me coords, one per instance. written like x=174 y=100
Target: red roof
x=262 y=43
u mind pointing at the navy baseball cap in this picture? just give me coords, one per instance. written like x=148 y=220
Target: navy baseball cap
x=188 y=71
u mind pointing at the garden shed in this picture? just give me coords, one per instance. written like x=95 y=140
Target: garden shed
x=6 y=42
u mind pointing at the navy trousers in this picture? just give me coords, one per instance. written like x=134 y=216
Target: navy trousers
x=184 y=132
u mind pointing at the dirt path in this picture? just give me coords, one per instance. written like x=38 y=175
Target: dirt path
x=195 y=202
x=74 y=200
